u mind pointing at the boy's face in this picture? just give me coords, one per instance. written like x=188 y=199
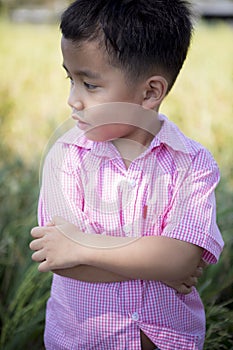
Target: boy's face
x=96 y=88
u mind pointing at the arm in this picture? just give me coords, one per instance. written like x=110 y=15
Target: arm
x=94 y=275
x=152 y=257
x=90 y=274
x=149 y=258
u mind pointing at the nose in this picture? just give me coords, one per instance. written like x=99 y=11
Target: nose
x=75 y=100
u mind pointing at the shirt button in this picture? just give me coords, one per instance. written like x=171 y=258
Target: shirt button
x=135 y=316
x=132 y=183
x=127 y=228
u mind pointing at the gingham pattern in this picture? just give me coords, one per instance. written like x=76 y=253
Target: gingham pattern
x=87 y=183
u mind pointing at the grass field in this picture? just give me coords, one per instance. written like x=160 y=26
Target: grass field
x=33 y=94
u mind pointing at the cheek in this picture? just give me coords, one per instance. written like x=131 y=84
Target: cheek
x=123 y=113
x=108 y=132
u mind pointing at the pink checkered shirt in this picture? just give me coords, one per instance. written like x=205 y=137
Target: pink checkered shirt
x=87 y=183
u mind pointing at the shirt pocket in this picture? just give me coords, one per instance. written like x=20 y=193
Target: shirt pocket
x=153 y=219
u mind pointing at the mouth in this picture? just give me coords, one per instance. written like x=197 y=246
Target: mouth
x=81 y=124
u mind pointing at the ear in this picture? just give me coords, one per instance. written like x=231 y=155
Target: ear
x=154 y=92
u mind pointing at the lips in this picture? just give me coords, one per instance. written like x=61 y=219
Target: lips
x=81 y=124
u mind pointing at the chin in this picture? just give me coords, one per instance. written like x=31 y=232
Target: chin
x=99 y=136
x=96 y=138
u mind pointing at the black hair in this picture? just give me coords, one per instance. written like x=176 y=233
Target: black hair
x=142 y=37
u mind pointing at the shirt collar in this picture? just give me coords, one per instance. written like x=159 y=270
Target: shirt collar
x=169 y=135
x=76 y=137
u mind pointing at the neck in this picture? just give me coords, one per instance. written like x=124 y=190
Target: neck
x=132 y=147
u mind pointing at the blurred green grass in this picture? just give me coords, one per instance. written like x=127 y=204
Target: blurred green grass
x=33 y=94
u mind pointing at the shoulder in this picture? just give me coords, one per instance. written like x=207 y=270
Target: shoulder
x=67 y=149
x=184 y=149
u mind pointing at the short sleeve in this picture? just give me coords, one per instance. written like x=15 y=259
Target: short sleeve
x=61 y=189
x=192 y=214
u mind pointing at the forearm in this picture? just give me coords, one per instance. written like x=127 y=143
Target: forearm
x=148 y=258
x=90 y=274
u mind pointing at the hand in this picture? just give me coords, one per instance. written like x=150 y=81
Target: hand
x=185 y=287
x=53 y=247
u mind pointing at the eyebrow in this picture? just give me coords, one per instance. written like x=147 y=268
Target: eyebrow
x=86 y=73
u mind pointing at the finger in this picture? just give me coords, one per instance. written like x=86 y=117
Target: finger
x=38 y=256
x=38 y=232
x=49 y=224
x=183 y=289
x=202 y=264
x=186 y=289
x=44 y=267
x=191 y=282
x=36 y=244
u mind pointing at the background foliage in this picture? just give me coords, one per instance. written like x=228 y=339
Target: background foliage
x=33 y=93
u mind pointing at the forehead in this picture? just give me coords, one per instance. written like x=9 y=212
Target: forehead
x=84 y=54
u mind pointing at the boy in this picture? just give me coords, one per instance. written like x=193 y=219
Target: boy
x=131 y=177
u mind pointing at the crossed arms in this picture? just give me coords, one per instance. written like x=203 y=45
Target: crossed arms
x=150 y=257
x=172 y=261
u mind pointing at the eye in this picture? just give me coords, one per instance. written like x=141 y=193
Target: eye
x=70 y=79
x=90 y=86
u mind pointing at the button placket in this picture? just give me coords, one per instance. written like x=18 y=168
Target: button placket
x=135 y=316
x=127 y=229
x=132 y=177
x=132 y=182
x=129 y=198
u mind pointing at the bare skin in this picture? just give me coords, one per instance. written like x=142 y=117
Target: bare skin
x=50 y=253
